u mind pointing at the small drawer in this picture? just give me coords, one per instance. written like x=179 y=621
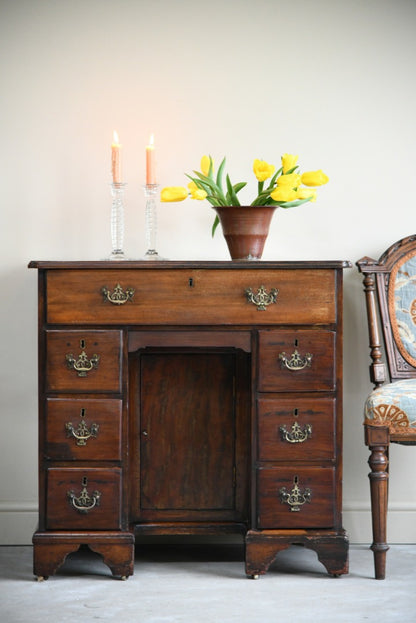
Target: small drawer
x=296 y=360
x=297 y=497
x=83 y=361
x=296 y=429
x=83 y=499
x=189 y=296
x=83 y=429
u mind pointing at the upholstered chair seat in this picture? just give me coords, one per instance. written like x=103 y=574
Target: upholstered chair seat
x=393 y=405
x=390 y=409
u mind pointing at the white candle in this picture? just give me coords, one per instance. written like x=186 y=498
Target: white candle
x=150 y=162
x=116 y=159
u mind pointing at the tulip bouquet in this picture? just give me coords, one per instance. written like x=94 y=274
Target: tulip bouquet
x=286 y=187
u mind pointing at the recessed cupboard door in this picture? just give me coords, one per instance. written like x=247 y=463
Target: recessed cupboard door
x=191 y=448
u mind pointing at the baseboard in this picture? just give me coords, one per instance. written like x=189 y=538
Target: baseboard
x=18 y=521
x=401 y=523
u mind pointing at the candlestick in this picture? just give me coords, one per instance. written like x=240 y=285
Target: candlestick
x=150 y=162
x=150 y=215
x=116 y=159
x=117 y=221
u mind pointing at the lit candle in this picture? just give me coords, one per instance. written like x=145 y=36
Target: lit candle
x=150 y=162
x=115 y=159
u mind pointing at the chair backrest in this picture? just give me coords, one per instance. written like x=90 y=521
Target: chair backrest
x=390 y=288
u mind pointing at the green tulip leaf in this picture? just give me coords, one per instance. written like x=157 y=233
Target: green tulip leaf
x=215 y=225
x=293 y=204
x=220 y=173
x=231 y=194
x=239 y=186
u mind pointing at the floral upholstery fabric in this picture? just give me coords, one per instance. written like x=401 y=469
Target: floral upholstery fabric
x=393 y=405
x=402 y=307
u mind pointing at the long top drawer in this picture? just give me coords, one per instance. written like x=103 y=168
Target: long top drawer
x=191 y=296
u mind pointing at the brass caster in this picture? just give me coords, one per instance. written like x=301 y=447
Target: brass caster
x=41 y=578
x=124 y=577
x=255 y=576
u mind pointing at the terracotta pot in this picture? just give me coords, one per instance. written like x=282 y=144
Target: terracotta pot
x=245 y=229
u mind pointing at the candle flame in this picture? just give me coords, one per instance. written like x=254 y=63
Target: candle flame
x=151 y=140
x=115 y=137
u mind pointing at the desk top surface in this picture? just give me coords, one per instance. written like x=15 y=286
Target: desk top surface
x=187 y=264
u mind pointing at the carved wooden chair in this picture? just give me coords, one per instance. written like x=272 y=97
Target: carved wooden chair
x=390 y=409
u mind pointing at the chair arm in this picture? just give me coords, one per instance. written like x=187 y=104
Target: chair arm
x=377 y=367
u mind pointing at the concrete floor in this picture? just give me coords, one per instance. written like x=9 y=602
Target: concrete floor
x=184 y=583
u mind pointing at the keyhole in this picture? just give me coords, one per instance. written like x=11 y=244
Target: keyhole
x=84 y=481
x=191 y=282
x=82 y=344
x=296 y=342
x=82 y=414
x=295 y=412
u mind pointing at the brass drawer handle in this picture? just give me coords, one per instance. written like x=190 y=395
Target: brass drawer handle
x=82 y=433
x=296 y=434
x=84 y=502
x=295 y=498
x=263 y=298
x=295 y=361
x=82 y=365
x=118 y=296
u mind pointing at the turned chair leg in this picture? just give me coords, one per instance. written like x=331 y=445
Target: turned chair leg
x=377 y=439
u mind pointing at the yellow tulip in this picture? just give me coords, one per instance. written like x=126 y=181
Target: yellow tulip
x=196 y=193
x=199 y=194
x=262 y=170
x=314 y=178
x=291 y=179
x=283 y=193
x=173 y=193
x=288 y=162
x=306 y=193
x=205 y=164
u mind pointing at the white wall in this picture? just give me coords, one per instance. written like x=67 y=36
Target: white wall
x=330 y=80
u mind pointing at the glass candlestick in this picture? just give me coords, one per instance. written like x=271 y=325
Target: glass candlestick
x=117 y=221
x=150 y=214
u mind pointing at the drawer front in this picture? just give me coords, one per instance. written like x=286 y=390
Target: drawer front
x=83 y=361
x=83 y=499
x=189 y=296
x=83 y=429
x=297 y=497
x=292 y=360
x=298 y=429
